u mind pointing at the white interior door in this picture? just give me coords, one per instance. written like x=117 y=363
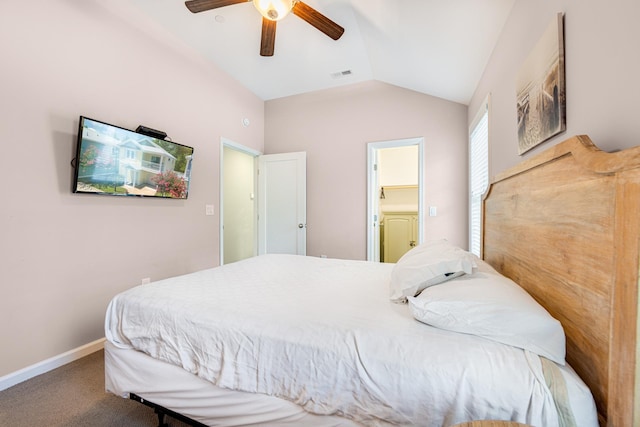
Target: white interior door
x=282 y=203
x=373 y=207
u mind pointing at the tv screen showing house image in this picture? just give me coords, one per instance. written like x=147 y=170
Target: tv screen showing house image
x=116 y=161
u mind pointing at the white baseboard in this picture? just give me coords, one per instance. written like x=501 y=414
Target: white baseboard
x=17 y=377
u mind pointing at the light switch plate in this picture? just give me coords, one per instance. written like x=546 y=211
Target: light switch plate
x=209 y=210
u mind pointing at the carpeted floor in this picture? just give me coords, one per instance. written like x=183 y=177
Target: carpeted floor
x=73 y=395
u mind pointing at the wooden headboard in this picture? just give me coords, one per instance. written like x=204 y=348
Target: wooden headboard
x=565 y=225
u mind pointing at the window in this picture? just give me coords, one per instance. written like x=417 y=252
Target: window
x=478 y=174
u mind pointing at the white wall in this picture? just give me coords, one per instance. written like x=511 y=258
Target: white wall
x=64 y=256
x=602 y=68
x=334 y=127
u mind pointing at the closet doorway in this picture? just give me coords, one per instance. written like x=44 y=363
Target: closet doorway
x=394 y=198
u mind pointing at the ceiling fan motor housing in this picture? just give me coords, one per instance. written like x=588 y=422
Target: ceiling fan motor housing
x=274 y=10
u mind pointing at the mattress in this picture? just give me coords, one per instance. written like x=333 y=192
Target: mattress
x=322 y=335
x=130 y=371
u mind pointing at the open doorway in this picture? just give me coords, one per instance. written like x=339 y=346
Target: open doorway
x=238 y=203
x=262 y=202
x=394 y=198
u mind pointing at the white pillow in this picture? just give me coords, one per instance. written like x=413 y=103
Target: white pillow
x=492 y=306
x=426 y=265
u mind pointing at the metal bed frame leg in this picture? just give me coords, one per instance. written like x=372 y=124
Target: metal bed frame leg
x=161 y=411
x=161 y=415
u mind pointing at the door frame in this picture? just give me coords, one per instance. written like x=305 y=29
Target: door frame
x=224 y=142
x=373 y=223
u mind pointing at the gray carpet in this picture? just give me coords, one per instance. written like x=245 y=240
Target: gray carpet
x=73 y=395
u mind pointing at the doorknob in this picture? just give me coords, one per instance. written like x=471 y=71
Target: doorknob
x=300 y=225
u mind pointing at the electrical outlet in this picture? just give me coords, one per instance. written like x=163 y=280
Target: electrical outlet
x=145 y=280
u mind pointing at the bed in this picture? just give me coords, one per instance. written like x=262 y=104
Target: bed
x=565 y=226
x=288 y=340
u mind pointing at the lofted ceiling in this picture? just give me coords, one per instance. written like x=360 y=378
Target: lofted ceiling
x=437 y=47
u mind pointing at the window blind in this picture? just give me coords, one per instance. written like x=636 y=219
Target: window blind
x=478 y=175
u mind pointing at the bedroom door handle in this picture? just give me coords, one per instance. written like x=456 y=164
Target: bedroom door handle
x=300 y=225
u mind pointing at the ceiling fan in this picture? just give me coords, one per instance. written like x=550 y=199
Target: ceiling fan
x=273 y=11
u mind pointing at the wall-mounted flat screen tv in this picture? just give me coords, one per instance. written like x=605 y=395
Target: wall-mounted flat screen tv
x=115 y=161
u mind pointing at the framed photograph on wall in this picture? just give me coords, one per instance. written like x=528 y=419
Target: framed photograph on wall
x=540 y=89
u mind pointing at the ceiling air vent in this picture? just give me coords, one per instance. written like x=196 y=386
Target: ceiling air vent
x=341 y=74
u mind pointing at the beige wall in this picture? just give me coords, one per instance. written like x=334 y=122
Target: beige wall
x=398 y=166
x=64 y=256
x=602 y=40
x=602 y=68
x=62 y=59
x=334 y=127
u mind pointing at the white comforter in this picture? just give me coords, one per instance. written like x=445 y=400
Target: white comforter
x=323 y=334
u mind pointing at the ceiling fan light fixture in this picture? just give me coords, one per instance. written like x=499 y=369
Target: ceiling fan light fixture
x=273 y=10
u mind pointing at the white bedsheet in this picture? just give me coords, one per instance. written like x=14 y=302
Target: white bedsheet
x=324 y=335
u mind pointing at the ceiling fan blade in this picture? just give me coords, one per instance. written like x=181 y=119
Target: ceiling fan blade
x=268 y=40
x=196 y=6
x=318 y=20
